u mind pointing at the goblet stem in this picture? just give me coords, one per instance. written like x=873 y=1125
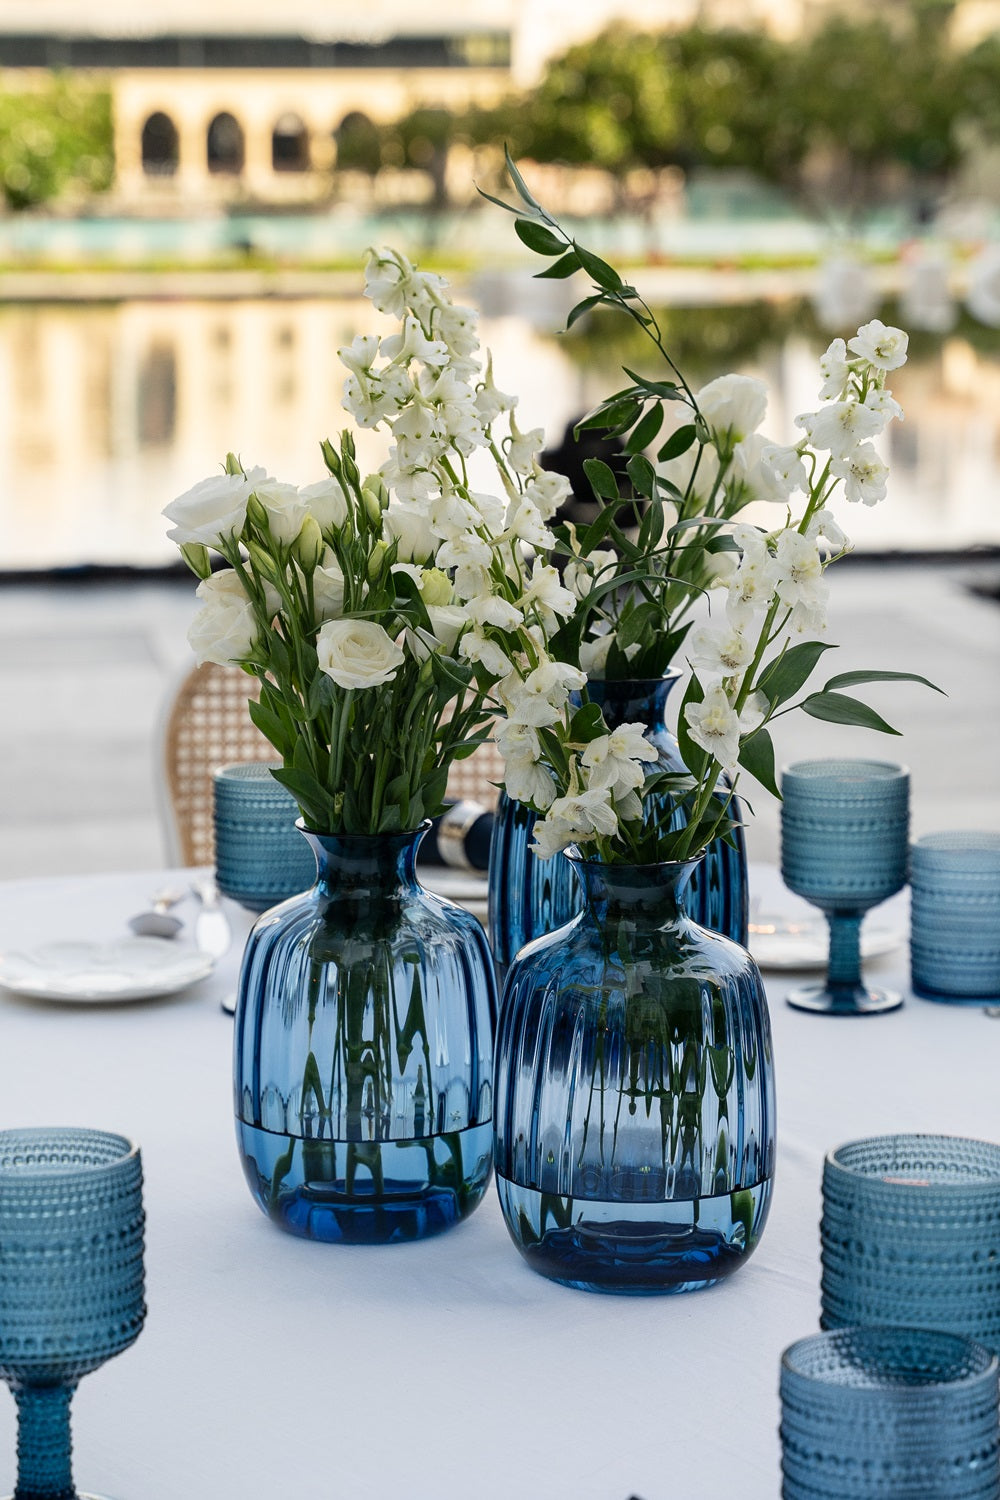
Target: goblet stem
x=44 y=1444
x=844 y=966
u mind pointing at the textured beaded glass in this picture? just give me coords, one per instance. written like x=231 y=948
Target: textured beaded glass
x=955 y=916
x=889 y=1414
x=260 y=857
x=844 y=836
x=71 y=1282
x=910 y=1234
x=529 y=897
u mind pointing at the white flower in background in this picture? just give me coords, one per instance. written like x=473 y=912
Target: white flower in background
x=824 y=529
x=458 y=327
x=286 y=510
x=721 y=568
x=546 y=594
x=385 y=284
x=694 y=472
x=408 y=527
x=733 y=405
x=753 y=713
x=525 y=524
x=328 y=588
x=447 y=623
x=582 y=575
x=522 y=448
x=547 y=491
x=475 y=646
x=769 y=471
x=841 y=426
x=883 y=347
x=490 y=609
x=714 y=725
x=359 y=355
x=614 y=761
x=327 y=502
x=594 y=654
x=539 y=698
x=489 y=400
x=722 y=650
x=357 y=653
x=880 y=400
x=551 y=836
x=225 y=628
x=214 y=510
x=492 y=510
x=799 y=569
x=413 y=343
x=835 y=370
x=864 y=475
x=586 y=814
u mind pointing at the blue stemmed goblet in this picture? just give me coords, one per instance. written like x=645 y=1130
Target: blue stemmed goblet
x=844 y=840
x=71 y=1283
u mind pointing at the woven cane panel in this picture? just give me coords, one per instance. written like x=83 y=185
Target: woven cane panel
x=473 y=780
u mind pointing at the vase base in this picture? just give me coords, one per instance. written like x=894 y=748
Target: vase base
x=367 y=1193
x=634 y=1248
x=845 y=1000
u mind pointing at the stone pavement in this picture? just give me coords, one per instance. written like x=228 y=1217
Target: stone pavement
x=86 y=668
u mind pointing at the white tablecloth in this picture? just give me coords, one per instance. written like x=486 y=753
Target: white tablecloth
x=445 y=1370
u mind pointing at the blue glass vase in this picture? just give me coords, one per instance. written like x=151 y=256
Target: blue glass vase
x=364 y=1051
x=634 y=1138
x=529 y=897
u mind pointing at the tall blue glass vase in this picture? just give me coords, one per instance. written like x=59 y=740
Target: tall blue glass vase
x=634 y=1137
x=529 y=897
x=364 y=1051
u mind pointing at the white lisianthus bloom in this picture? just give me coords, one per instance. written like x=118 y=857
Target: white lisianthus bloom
x=733 y=405
x=799 y=569
x=214 y=510
x=328 y=588
x=594 y=655
x=475 y=646
x=357 y=653
x=614 y=761
x=714 y=726
x=225 y=628
x=326 y=501
x=547 y=491
x=286 y=510
x=864 y=475
x=722 y=650
x=883 y=347
x=490 y=609
x=435 y=587
x=408 y=527
x=546 y=594
x=582 y=576
x=522 y=448
x=447 y=623
x=841 y=426
x=834 y=368
x=551 y=836
x=769 y=471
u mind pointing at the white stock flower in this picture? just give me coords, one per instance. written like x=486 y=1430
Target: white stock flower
x=883 y=347
x=733 y=405
x=834 y=368
x=581 y=575
x=614 y=761
x=326 y=501
x=225 y=628
x=214 y=510
x=408 y=527
x=412 y=486
x=475 y=646
x=841 y=426
x=799 y=567
x=714 y=726
x=492 y=510
x=450 y=515
x=547 y=491
x=328 y=588
x=864 y=475
x=357 y=653
x=722 y=650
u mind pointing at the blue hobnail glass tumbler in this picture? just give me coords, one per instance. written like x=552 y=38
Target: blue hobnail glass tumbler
x=363 y=1085
x=71 y=1283
x=529 y=897
x=955 y=916
x=634 y=1142
x=844 y=844
x=260 y=858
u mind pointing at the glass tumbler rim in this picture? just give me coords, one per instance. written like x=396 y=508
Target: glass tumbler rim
x=976 y=1185
x=22 y=1176
x=247 y=770
x=866 y=770
x=884 y=1335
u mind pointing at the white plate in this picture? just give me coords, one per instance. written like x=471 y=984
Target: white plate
x=804 y=942
x=135 y=968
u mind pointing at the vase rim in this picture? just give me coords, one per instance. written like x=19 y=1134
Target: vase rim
x=400 y=834
x=572 y=853
x=670 y=675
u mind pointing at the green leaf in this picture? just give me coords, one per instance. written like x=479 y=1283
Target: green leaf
x=785 y=675
x=639 y=622
x=645 y=431
x=677 y=443
x=651 y=528
x=507 y=207
x=838 y=708
x=757 y=757
x=560 y=269
x=642 y=475
x=695 y=758
x=581 y=309
x=538 y=238
x=598 y=269
x=855 y=679
x=519 y=182
x=667 y=390
x=269 y=725
x=601 y=478
x=586 y=722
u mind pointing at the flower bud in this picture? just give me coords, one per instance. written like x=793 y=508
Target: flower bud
x=308 y=545
x=196 y=557
x=233 y=465
x=262 y=563
x=376 y=561
x=256 y=513
x=435 y=587
x=377 y=485
x=373 y=505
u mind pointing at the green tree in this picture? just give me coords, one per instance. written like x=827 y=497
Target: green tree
x=56 y=139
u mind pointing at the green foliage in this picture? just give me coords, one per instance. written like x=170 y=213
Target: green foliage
x=55 y=140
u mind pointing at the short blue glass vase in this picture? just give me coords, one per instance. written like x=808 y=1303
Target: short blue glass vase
x=529 y=897
x=634 y=1142
x=364 y=1051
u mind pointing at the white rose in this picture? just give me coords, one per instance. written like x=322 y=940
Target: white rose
x=326 y=501
x=328 y=589
x=225 y=628
x=286 y=510
x=733 y=404
x=357 y=653
x=408 y=527
x=214 y=510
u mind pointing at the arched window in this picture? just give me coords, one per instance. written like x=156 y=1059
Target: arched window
x=290 y=145
x=160 y=146
x=225 y=145
x=359 y=147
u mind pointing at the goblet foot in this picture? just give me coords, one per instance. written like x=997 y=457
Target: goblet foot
x=843 y=1000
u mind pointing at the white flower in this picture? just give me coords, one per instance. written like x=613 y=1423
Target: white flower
x=864 y=475
x=529 y=782
x=799 y=567
x=475 y=646
x=214 y=510
x=328 y=589
x=492 y=509
x=880 y=400
x=539 y=698
x=384 y=284
x=614 y=761
x=357 y=653
x=582 y=575
x=413 y=343
x=465 y=550
x=408 y=527
x=525 y=524
x=522 y=448
x=517 y=743
x=450 y=515
x=733 y=405
x=458 y=327
x=490 y=401
x=225 y=628
x=714 y=726
x=447 y=623
x=883 y=347
x=369 y=402
x=547 y=491
x=419 y=435
x=841 y=426
x=551 y=836
x=834 y=369
x=824 y=528
x=546 y=594
x=490 y=609
x=694 y=472
x=723 y=650
x=752 y=585
x=410 y=485
x=327 y=502
x=769 y=471
x=586 y=813
x=360 y=354
x=594 y=654
x=755 y=710
x=286 y=510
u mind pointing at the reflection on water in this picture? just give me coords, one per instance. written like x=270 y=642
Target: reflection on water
x=107 y=411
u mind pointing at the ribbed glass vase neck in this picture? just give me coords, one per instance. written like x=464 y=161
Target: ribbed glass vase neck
x=633 y=700
x=654 y=894
x=359 y=866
